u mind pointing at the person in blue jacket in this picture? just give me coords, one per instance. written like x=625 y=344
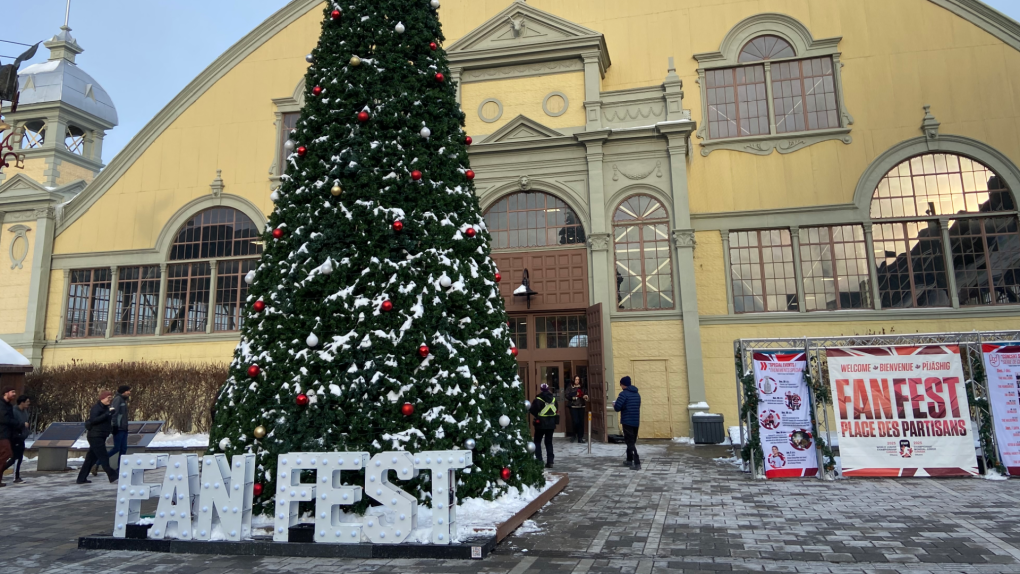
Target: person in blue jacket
x=628 y=404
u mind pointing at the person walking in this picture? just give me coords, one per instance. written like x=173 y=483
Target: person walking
x=546 y=419
x=628 y=404
x=20 y=413
x=119 y=424
x=8 y=428
x=99 y=428
x=578 y=404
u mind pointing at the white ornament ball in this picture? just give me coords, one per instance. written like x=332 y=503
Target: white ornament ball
x=225 y=444
x=426 y=133
x=531 y=447
x=399 y=28
x=469 y=444
x=527 y=404
x=445 y=282
x=275 y=196
x=250 y=277
x=288 y=146
x=504 y=421
x=312 y=341
x=435 y=3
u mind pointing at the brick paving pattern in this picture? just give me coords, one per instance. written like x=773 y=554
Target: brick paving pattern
x=684 y=513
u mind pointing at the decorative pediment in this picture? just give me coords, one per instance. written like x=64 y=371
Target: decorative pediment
x=522 y=33
x=522 y=128
x=21 y=189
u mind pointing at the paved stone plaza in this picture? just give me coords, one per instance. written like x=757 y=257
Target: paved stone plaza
x=685 y=512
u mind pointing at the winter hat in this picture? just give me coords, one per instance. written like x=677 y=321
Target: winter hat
x=543 y=387
x=123 y=389
x=625 y=382
x=104 y=394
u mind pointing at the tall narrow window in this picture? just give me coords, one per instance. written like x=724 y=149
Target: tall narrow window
x=912 y=259
x=137 y=301
x=88 y=303
x=737 y=104
x=761 y=271
x=231 y=293
x=644 y=269
x=834 y=263
x=187 y=298
x=519 y=331
x=290 y=120
x=804 y=95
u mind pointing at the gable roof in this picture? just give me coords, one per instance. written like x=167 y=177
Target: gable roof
x=522 y=33
x=522 y=128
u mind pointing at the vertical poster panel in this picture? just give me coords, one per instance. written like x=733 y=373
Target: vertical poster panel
x=902 y=411
x=1002 y=367
x=784 y=414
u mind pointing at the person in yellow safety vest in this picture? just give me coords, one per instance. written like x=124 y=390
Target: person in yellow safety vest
x=546 y=418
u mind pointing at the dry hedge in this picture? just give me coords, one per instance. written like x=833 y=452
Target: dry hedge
x=179 y=393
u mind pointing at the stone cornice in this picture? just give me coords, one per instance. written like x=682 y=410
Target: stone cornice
x=194 y=90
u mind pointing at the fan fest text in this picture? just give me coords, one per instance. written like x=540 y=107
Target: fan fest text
x=907 y=407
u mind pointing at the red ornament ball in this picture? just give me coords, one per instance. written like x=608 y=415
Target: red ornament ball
x=470 y=174
x=335 y=15
x=316 y=91
x=407 y=410
x=256 y=489
x=468 y=140
x=470 y=232
x=362 y=117
x=301 y=151
x=398 y=226
x=301 y=400
x=277 y=233
x=513 y=351
x=434 y=46
x=423 y=351
x=387 y=306
x=505 y=473
x=440 y=78
x=497 y=277
x=259 y=306
x=253 y=371
x=416 y=175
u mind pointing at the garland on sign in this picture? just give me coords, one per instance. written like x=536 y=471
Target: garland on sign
x=983 y=408
x=821 y=394
x=752 y=448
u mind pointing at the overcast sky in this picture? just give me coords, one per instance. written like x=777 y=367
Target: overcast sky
x=143 y=52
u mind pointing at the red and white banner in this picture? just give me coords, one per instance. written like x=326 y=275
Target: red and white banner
x=784 y=415
x=902 y=411
x=1002 y=367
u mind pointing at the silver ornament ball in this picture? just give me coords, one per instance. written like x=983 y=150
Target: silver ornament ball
x=527 y=404
x=445 y=282
x=504 y=421
x=531 y=447
x=435 y=3
x=399 y=28
x=275 y=196
x=426 y=133
x=288 y=146
x=250 y=277
x=312 y=341
x=224 y=444
x=310 y=59
x=469 y=444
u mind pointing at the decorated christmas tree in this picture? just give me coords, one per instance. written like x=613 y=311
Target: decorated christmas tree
x=374 y=320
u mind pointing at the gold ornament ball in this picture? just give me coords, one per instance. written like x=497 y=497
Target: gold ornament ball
x=260 y=432
x=355 y=61
x=337 y=190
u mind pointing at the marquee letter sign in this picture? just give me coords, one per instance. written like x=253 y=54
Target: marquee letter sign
x=193 y=507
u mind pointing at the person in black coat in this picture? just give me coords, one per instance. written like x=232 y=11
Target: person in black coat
x=546 y=419
x=628 y=404
x=99 y=428
x=9 y=427
x=578 y=402
x=20 y=413
x=120 y=422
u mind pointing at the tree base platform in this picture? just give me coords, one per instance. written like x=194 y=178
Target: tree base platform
x=477 y=547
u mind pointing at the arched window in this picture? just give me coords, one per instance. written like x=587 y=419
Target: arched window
x=932 y=199
x=533 y=219
x=644 y=269
x=217 y=248
x=767 y=47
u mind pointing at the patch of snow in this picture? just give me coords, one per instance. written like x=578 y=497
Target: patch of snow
x=993 y=474
x=701 y=406
x=8 y=356
x=683 y=440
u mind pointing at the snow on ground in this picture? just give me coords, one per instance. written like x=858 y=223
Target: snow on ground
x=162 y=440
x=732 y=461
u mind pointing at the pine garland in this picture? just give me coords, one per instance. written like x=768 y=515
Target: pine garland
x=983 y=408
x=752 y=448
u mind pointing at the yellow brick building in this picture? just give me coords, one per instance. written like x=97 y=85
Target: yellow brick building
x=671 y=174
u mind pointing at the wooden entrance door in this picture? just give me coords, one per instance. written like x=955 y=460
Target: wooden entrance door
x=596 y=374
x=552 y=375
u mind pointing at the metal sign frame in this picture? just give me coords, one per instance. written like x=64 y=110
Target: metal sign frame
x=815 y=347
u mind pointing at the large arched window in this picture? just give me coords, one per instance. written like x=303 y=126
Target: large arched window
x=932 y=199
x=533 y=219
x=644 y=270
x=215 y=250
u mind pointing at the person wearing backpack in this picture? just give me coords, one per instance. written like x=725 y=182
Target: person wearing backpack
x=628 y=404
x=99 y=428
x=546 y=419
